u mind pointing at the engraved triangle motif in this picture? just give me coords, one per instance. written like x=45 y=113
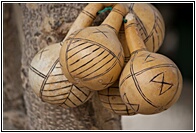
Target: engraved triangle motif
x=149 y=58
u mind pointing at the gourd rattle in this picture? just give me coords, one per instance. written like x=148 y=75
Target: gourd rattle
x=45 y=74
x=93 y=57
x=150 y=82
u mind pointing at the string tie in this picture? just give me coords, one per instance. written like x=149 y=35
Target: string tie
x=109 y=8
x=105 y=9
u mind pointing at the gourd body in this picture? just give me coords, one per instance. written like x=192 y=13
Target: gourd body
x=92 y=57
x=49 y=83
x=150 y=83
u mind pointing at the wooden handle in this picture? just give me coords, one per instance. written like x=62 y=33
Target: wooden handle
x=85 y=18
x=133 y=37
x=115 y=18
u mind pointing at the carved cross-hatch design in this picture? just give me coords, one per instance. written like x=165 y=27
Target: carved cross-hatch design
x=165 y=86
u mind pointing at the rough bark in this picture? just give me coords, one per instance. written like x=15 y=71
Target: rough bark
x=42 y=24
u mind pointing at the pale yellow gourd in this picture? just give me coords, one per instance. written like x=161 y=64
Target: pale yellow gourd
x=150 y=83
x=93 y=57
x=45 y=74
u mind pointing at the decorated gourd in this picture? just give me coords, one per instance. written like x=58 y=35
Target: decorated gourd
x=93 y=57
x=150 y=82
x=150 y=24
x=45 y=74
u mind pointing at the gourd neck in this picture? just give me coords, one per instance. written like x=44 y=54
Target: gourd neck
x=133 y=37
x=85 y=18
x=115 y=18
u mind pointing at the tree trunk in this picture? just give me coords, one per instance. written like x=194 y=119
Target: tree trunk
x=42 y=24
x=14 y=116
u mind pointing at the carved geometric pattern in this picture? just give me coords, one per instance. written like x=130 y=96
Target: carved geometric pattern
x=73 y=91
x=131 y=6
x=114 y=104
x=109 y=26
x=165 y=86
x=37 y=72
x=106 y=85
x=103 y=55
x=153 y=34
x=56 y=89
x=134 y=107
x=102 y=32
x=89 y=14
x=45 y=82
x=118 y=11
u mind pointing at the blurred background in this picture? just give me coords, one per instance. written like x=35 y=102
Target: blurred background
x=178 y=45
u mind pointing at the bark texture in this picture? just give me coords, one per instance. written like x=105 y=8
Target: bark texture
x=45 y=24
